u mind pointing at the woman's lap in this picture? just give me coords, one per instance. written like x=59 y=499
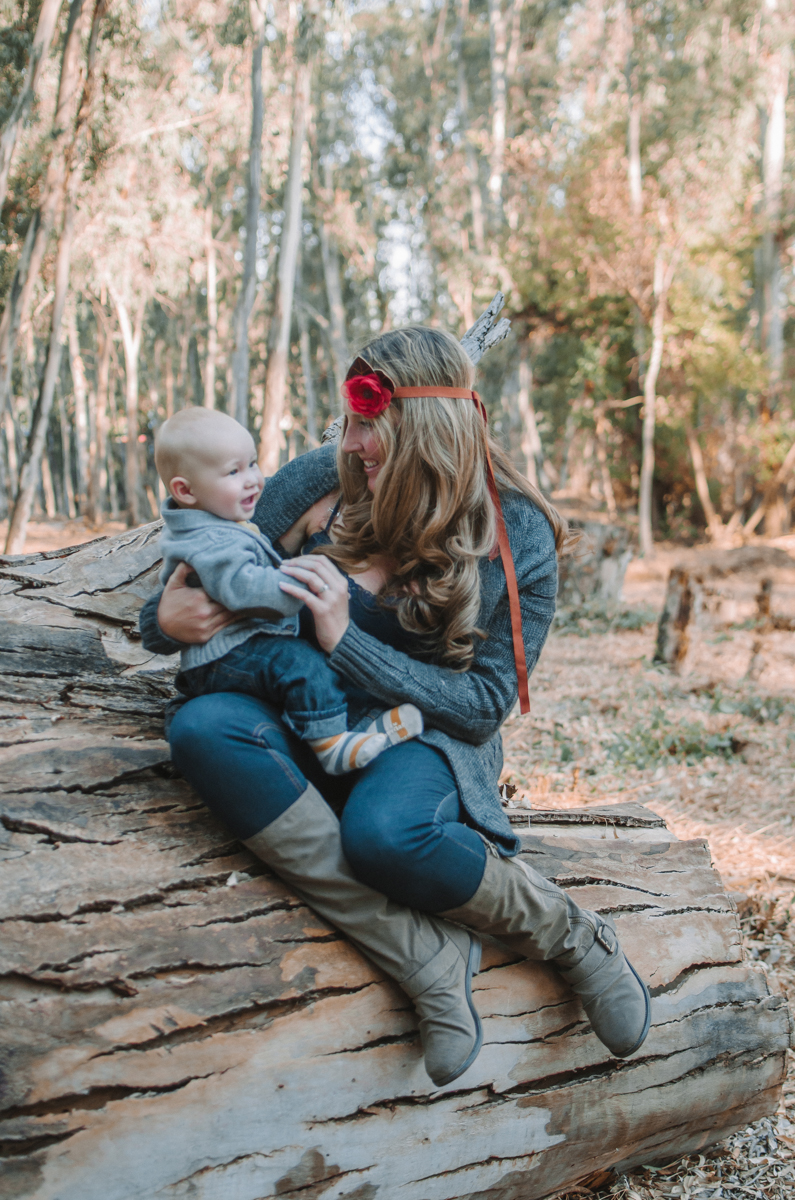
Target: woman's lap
x=401 y=826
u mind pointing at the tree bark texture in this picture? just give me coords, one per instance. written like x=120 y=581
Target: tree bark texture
x=131 y=337
x=532 y=452
x=330 y=255
x=176 y=1021
x=498 y=28
x=473 y=175
x=278 y=358
x=248 y=282
x=594 y=572
x=63 y=135
x=45 y=28
x=32 y=459
x=683 y=598
x=662 y=281
x=773 y=153
x=212 y=307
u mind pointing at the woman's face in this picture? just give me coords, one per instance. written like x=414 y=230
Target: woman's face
x=360 y=438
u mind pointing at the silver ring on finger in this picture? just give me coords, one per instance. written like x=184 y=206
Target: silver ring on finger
x=323 y=589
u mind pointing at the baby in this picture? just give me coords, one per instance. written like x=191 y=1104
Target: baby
x=208 y=464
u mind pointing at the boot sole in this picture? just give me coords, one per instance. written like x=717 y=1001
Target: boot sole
x=647 y=1024
x=473 y=966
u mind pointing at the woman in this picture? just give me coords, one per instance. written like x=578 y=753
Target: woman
x=441 y=609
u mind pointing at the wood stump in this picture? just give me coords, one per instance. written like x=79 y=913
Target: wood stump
x=712 y=589
x=176 y=1023
x=594 y=572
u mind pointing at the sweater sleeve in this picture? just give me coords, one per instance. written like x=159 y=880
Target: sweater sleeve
x=469 y=705
x=152 y=635
x=295 y=488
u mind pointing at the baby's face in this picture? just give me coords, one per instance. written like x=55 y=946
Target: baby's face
x=226 y=481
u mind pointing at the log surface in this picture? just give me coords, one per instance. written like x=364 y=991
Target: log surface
x=177 y=1024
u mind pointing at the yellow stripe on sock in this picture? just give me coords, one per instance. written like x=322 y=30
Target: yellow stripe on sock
x=397 y=724
x=322 y=745
x=354 y=750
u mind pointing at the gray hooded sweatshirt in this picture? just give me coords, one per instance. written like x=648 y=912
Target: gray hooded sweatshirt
x=238 y=567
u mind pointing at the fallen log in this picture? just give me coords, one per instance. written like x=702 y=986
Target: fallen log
x=176 y=1023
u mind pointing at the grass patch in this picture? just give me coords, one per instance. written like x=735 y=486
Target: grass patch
x=658 y=738
x=591 y=618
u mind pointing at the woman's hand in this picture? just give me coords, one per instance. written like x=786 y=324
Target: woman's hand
x=187 y=614
x=326 y=598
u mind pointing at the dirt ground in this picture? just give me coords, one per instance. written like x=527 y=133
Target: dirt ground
x=52 y=535
x=713 y=752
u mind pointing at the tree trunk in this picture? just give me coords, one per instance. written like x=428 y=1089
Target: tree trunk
x=11 y=450
x=66 y=457
x=498 y=28
x=212 y=307
x=78 y=373
x=331 y=273
x=714 y=523
x=532 y=452
x=131 y=337
x=47 y=488
x=473 y=175
x=48 y=17
x=63 y=135
x=31 y=462
x=248 y=282
x=276 y=371
x=772 y=178
x=649 y=407
x=219 y=994
x=98 y=423
x=683 y=599
x=12 y=313
x=306 y=368
x=601 y=454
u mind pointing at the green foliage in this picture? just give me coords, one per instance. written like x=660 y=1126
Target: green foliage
x=16 y=40
x=593 y=617
x=656 y=738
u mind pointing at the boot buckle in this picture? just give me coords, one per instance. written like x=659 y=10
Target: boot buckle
x=605 y=937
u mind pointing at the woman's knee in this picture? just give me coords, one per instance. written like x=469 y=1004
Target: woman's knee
x=374 y=843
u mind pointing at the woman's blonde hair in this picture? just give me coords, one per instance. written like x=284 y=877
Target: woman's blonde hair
x=430 y=515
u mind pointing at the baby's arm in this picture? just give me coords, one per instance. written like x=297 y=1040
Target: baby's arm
x=229 y=573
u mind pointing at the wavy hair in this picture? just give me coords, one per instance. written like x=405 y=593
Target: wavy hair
x=430 y=515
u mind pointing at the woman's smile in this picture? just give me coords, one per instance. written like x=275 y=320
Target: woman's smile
x=360 y=439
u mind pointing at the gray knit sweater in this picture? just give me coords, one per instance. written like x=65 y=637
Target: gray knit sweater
x=238 y=567
x=463 y=710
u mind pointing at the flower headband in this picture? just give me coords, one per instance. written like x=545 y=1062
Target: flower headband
x=369 y=392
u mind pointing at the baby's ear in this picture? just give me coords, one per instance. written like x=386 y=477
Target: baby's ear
x=181 y=491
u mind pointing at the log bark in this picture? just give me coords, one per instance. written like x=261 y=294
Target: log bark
x=177 y=1022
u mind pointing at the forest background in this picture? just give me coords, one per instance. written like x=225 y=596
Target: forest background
x=215 y=202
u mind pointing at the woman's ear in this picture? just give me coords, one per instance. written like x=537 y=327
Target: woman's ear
x=181 y=492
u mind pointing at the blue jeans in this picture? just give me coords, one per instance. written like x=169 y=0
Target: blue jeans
x=286 y=671
x=401 y=817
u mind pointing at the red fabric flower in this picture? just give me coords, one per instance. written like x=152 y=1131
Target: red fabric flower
x=367 y=395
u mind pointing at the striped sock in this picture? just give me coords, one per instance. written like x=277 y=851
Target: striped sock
x=398 y=724
x=348 y=751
